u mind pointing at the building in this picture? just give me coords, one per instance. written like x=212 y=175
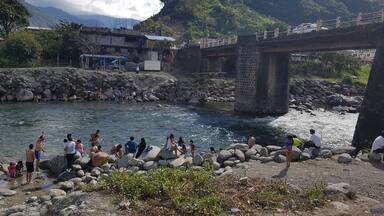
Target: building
x=149 y=52
x=364 y=56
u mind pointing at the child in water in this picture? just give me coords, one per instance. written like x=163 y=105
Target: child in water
x=12 y=169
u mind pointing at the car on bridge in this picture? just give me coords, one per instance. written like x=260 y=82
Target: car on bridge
x=306 y=28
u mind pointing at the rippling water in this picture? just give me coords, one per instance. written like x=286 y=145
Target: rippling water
x=21 y=123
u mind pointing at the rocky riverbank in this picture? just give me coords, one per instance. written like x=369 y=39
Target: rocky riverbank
x=69 y=84
x=67 y=196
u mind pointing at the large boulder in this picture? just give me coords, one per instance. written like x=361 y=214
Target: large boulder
x=240 y=146
x=165 y=154
x=55 y=166
x=150 y=165
x=250 y=152
x=83 y=161
x=344 y=158
x=132 y=161
x=224 y=155
x=178 y=162
x=342 y=150
x=24 y=95
x=150 y=155
x=99 y=159
x=240 y=155
x=198 y=160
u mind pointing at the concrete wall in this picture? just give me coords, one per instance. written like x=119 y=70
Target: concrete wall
x=371 y=119
x=188 y=60
x=262 y=79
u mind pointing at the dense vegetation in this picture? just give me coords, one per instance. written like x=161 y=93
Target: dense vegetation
x=213 y=18
x=12 y=16
x=169 y=191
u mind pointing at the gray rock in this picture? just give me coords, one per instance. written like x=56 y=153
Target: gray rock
x=80 y=173
x=264 y=152
x=165 y=154
x=24 y=95
x=250 y=152
x=342 y=150
x=134 y=168
x=229 y=163
x=32 y=199
x=15 y=209
x=374 y=157
x=266 y=159
x=216 y=165
x=232 y=158
x=134 y=162
x=56 y=193
x=163 y=163
x=255 y=157
x=240 y=155
x=227 y=173
x=340 y=190
x=151 y=155
x=274 y=148
x=66 y=186
x=224 y=155
x=93 y=182
x=325 y=153
x=344 y=158
x=198 y=160
x=45 y=198
x=305 y=156
x=150 y=165
x=227 y=168
x=257 y=147
x=83 y=161
x=76 y=180
x=280 y=159
x=124 y=205
x=7 y=192
x=56 y=165
x=178 y=162
x=105 y=168
x=95 y=172
x=66 y=175
x=76 y=167
x=339 y=206
x=219 y=171
x=69 y=211
x=240 y=146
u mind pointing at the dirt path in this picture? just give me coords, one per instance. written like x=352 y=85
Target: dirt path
x=366 y=178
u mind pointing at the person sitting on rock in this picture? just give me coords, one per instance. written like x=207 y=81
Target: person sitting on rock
x=193 y=148
x=180 y=142
x=130 y=146
x=251 y=141
x=95 y=137
x=378 y=144
x=141 y=147
x=94 y=148
x=80 y=147
x=117 y=150
x=314 y=140
x=12 y=169
x=171 y=144
x=296 y=141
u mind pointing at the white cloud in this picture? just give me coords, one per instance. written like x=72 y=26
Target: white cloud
x=138 y=9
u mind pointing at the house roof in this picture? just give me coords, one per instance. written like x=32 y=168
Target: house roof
x=159 y=38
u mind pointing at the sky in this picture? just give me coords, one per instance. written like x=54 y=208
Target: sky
x=137 y=9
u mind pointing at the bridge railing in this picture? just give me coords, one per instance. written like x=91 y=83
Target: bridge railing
x=320 y=25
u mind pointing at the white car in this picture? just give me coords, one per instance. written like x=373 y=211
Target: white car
x=306 y=28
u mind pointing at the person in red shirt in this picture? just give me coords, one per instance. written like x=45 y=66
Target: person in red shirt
x=193 y=148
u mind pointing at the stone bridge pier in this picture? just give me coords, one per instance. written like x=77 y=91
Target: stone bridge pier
x=262 y=79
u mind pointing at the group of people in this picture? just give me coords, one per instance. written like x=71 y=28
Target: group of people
x=179 y=146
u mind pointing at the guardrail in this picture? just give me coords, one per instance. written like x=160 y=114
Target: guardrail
x=320 y=25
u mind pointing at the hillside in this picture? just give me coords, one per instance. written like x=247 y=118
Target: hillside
x=50 y=16
x=190 y=19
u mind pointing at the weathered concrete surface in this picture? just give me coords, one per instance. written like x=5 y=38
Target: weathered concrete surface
x=371 y=119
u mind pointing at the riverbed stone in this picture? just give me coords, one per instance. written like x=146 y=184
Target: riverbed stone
x=7 y=192
x=150 y=155
x=166 y=154
x=240 y=146
x=15 y=209
x=66 y=185
x=257 y=147
x=342 y=150
x=83 y=161
x=150 y=165
x=344 y=158
x=95 y=172
x=198 y=160
x=305 y=156
x=224 y=155
x=76 y=167
x=100 y=158
x=250 y=152
x=55 y=166
x=229 y=163
x=339 y=190
x=325 y=153
x=44 y=198
x=280 y=158
x=178 y=162
x=216 y=165
x=240 y=155
x=66 y=175
x=80 y=173
x=57 y=192
x=264 y=152
x=377 y=209
x=219 y=171
x=272 y=148
x=24 y=95
x=376 y=158
x=163 y=163
x=266 y=159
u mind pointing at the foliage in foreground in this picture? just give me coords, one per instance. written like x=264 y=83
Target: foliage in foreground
x=196 y=192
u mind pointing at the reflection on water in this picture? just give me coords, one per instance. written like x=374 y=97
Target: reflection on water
x=21 y=123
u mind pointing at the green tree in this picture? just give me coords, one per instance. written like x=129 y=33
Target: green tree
x=21 y=49
x=12 y=16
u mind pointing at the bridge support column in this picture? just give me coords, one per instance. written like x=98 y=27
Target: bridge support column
x=262 y=80
x=371 y=118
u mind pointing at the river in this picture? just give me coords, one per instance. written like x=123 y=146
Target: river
x=21 y=123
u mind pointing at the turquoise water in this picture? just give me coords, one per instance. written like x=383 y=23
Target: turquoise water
x=21 y=124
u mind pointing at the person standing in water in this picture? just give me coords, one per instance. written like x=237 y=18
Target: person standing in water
x=29 y=163
x=70 y=151
x=95 y=137
x=141 y=147
x=39 y=149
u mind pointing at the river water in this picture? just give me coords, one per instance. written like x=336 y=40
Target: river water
x=21 y=123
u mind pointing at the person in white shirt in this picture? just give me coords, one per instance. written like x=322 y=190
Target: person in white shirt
x=378 y=144
x=314 y=140
x=70 y=151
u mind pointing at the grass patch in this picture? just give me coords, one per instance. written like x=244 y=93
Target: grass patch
x=168 y=191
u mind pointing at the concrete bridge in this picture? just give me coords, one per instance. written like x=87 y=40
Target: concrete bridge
x=262 y=66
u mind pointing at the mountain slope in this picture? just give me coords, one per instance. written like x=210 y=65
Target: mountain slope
x=212 y=18
x=50 y=17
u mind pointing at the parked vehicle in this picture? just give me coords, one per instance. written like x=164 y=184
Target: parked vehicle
x=306 y=28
